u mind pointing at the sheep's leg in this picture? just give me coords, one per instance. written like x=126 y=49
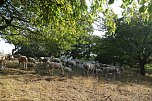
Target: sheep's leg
x=25 y=66
x=49 y=70
x=106 y=73
x=93 y=72
x=88 y=72
x=62 y=71
x=2 y=67
x=52 y=70
x=19 y=63
x=114 y=75
x=84 y=72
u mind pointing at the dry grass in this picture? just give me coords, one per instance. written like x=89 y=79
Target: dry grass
x=20 y=85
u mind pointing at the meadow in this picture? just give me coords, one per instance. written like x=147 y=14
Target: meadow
x=36 y=84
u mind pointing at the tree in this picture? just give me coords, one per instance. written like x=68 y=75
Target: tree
x=58 y=23
x=53 y=23
x=134 y=40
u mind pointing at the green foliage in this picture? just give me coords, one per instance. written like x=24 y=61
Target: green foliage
x=111 y=2
x=142 y=9
x=131 y=42
x=55 y=26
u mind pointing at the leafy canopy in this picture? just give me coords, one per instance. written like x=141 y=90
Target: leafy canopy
x=58 y=23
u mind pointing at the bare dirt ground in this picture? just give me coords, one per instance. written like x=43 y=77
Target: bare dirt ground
x=21 y=85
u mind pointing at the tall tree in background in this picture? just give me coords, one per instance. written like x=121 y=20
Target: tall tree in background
x=132 y=41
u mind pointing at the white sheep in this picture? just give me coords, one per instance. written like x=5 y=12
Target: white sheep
x=71 y=63
x=2 y=62
x=43 y=59
x=33 y=60
x=54 y=65
x=112 y=70
x=56 y=60
x=89 y=67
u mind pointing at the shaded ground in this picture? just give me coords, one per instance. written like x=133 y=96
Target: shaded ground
x=21 y=85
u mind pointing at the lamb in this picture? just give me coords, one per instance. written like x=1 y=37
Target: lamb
x=54 y=65
x=23 y=60
x=2 y=62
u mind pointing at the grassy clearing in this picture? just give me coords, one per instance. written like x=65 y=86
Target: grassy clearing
x=37 y=85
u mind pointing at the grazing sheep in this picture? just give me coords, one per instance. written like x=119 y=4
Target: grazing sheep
x=67 y=69
x=89 y=67
x=80 y=65
x=113 y=70
x=9 y=57
x=23 y=60
x=2 y=62
x=43 y=59
x=54 y=65
x=71 y=63
x=99 y=71
x=33 y=60
x=56 y=60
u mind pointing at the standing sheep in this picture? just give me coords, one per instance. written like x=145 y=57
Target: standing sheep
x=113 y=70
x=2 y=62
x=89 y=67
x=23 y=60
x=54 y=65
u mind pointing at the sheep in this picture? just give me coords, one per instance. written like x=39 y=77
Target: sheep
x=113 y=70
x=67 y=69
x=89 y=67
x=23 y=60
x=70 y=63
x=9 y=57
x=2 y=62
x=33 y=60
x=80 y=65
x=99 y=71
x=56 y=60
x=54 y=65
x=43 y=59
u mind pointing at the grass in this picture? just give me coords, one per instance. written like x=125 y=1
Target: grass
x=36 y=84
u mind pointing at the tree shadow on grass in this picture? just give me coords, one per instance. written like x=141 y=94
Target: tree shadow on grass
x=32 y=74
x=40 y=72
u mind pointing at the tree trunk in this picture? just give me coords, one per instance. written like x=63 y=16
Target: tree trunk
x=142 y=69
